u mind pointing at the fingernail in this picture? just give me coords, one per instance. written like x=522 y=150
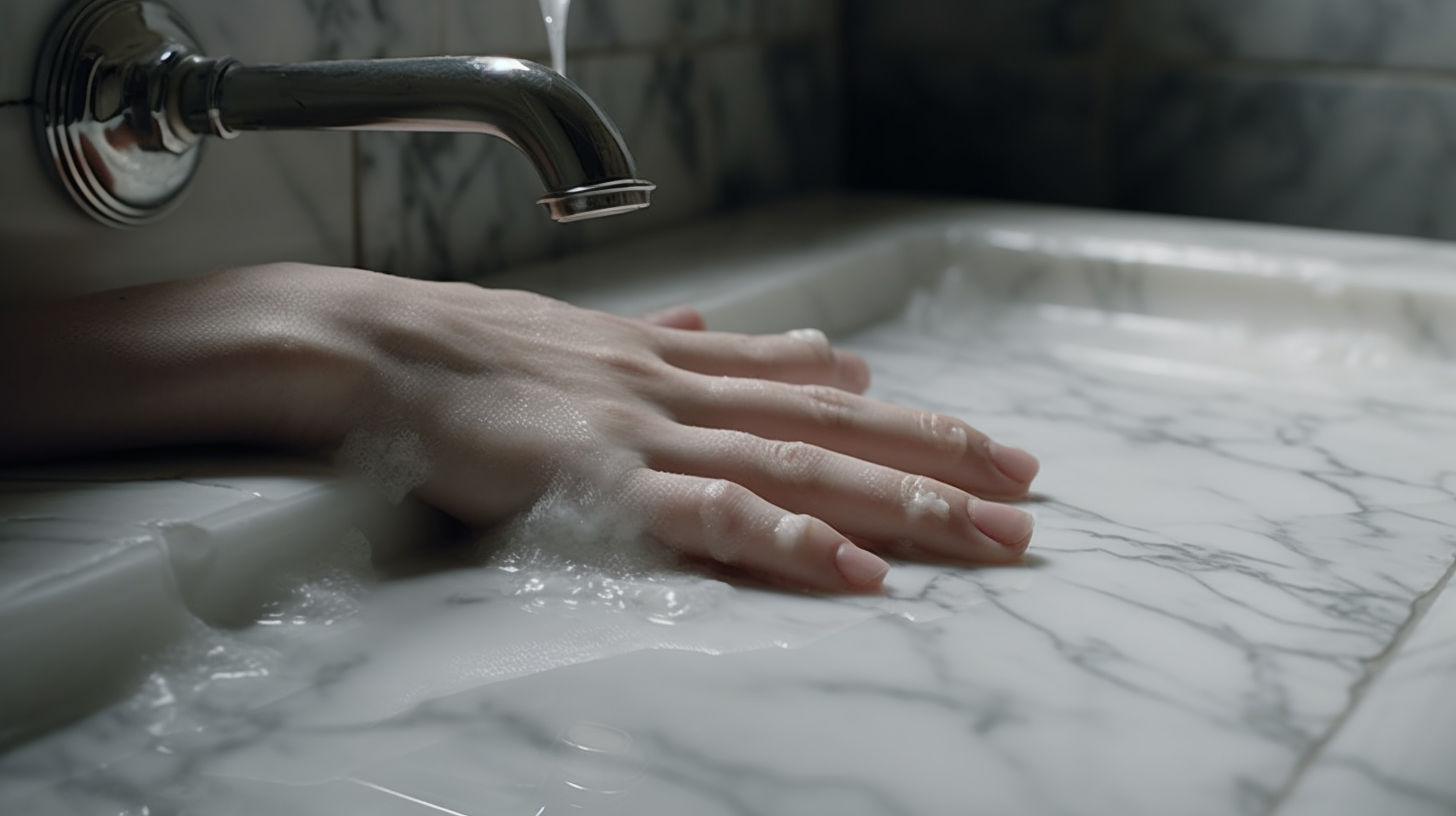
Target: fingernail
x=1015 y=463
x=1001 y=523
x=859 y=567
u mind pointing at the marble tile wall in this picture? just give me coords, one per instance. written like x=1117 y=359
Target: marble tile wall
x=1328 y=113
x=724 y=102
x=261 y=198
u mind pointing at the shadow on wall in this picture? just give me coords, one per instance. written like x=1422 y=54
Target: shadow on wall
x=1327 y=113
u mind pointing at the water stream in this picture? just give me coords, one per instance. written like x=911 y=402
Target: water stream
x=554 y=13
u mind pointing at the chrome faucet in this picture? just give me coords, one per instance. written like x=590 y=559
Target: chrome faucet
x=124 y=101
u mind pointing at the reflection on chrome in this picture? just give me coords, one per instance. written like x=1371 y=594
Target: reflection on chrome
x=124 y=99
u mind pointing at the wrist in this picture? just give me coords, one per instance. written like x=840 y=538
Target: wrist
x=257 y=356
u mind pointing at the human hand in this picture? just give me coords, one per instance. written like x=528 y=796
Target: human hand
x=754 y=451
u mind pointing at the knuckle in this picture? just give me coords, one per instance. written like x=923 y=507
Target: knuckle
x=723 y=508
x=625 y=420
x=796 y=463
x=722 y=500
x=830 y=407
x=945 y=433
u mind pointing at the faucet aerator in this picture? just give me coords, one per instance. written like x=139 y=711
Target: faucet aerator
x=598 y=200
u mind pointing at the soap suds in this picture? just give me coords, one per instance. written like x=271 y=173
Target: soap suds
x=791 y=531
x=391 y=459
x=919 y=499
x=947 y=434
x=814 y=336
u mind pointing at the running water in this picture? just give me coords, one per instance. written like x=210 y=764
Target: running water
x=554 y=13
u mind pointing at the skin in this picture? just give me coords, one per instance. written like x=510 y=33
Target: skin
x=709 y=441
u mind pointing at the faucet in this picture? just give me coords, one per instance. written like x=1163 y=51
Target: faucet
x=124 y=101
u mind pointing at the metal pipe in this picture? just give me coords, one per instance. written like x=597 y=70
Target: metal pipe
x=125 y=99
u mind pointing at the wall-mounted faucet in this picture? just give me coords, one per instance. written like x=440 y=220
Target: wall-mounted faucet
x=124 y=101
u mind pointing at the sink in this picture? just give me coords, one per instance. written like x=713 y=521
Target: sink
x=1236 y=600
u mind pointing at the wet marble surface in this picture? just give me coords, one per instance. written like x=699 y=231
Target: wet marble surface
x=1393 y=753
x=1236 y=601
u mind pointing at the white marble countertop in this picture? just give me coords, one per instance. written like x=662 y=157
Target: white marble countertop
x=1234 y=604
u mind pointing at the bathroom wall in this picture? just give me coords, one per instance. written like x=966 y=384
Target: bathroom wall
x=724 y=103
x=1330 y=113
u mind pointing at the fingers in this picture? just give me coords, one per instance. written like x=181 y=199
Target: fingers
x=803 y=357
x=678 y=317
x=905 y=439
x=861 y=500
x=717 y=519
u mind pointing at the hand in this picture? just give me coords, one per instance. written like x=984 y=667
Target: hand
x=754 y=451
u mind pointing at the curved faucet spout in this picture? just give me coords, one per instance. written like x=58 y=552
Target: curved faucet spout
x=123 y=99
x=582 y=160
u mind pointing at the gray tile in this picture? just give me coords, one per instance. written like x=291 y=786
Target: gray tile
x=516 y=26
x=260 y=198
x=256 y=31
x=502 y=27
x=1414 y=34
x=796 y=18
x=21 y=27
x=1371 y=155
x=985 y=28
x=773 y=119
x=967 y=127
x=638 y=23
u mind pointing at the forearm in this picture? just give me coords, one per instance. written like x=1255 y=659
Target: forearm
x=226 y=358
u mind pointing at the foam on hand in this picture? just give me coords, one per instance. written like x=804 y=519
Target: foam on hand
x=391 y=459
x=814 y=336
x=920 y=499
x=791 y=531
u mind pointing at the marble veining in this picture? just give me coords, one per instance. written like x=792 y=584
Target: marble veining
x=718 y=128
x=1406 y=716
x=1237 y=600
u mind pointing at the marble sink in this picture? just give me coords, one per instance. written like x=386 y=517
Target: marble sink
x=1236 y=602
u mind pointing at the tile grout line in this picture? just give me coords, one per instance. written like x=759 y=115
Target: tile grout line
x=1375 y=666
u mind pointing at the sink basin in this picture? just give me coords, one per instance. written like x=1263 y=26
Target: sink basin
x=1236 y=600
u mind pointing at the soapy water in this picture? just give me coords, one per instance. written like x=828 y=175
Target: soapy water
x=339 y=645
x=390 y=458
x=569 y=581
